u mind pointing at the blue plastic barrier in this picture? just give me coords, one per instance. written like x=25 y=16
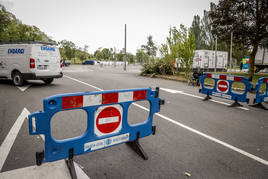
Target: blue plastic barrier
x=261 y=97
x=223 y=87
x=107 y=123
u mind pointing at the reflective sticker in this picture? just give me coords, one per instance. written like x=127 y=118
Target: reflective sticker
x=33 y=124
x=239 y=79
x=109 y=98
x=125 y=96
x=231 y=78
x=139 y=95
x=99 y=144
x=108 y=120
x=221 y=95
x=216 y=76
x=72 y=102
x=92 y=100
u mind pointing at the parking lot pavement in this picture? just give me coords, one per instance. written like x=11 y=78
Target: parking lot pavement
x=206 y=139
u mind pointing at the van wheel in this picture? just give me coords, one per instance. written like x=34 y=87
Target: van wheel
x=48 y=81
x=17 y=79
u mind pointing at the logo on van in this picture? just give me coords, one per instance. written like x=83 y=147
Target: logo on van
x=48 y=48
x=16 y=51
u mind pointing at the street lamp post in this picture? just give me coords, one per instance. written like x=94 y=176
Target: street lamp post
x=231 y=51
x=125 y=49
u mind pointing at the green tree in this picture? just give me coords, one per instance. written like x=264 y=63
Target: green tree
x=197 y=30
x=67 y=48
x=107 y=54
x=180 y=44
x=247 y=19
x=150 y=47
x=11 y=29
x=141 y=56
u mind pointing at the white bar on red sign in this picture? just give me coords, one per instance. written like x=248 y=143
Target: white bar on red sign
x=231 y=78
x=107 y=120
x=92 y=100
x=125 y=96
x=216 y=76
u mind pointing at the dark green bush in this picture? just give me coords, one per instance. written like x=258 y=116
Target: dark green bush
x=158 y=67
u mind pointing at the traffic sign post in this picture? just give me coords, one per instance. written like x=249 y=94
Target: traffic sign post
x=107 y=123
x=223 y=88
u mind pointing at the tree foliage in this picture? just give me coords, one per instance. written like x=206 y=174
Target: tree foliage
x=247 y=19
x=150 y=47
x=12 y=30
x=181 y=45
x=141 y=56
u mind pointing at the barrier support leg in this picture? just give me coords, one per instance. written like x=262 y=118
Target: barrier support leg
x=39 y=156
x=235 y=104
x=70 y=164
x=259 y=105
x=207 y=97
x=135 y=145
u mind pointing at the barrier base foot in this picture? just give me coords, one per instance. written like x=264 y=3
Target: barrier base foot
x=235 y=104
x=207 y=98
x=39 y=156
x=135 y=145
x=259 y=105
x=70 y=164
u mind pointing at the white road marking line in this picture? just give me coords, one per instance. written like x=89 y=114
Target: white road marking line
x=57 y=169
x=33 y=171
x=194 y=130
x=83 y=82
x=23 y=88
x=200 y=97
x=11 y=136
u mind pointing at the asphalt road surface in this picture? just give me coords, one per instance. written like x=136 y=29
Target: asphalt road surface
x=194 y=138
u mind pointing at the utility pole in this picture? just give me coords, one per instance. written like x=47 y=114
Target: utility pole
x=231 y=51
x=125 y=49
x=216 y=56
x=114 y=57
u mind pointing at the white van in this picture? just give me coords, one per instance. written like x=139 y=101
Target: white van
x=30 y=61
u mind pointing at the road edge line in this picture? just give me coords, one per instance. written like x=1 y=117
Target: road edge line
x=11 y=137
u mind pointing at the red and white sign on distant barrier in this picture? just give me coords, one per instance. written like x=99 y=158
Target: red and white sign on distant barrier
x=222 y=86
x=108 y=120
x=99 y=99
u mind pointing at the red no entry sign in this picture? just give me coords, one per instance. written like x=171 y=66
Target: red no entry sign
x=108 y=120
x=223 y=86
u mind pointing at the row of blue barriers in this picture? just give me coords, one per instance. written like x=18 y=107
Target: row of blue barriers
x=107 y=123
x=223 y=88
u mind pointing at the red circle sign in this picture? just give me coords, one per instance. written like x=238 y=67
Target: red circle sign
x=108 y=120
x=223 y=86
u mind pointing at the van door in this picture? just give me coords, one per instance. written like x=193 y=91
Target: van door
x=47 y=60
x=3 y=69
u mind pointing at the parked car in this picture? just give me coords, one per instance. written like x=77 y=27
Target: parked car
x=89 y=62
x=66 y=62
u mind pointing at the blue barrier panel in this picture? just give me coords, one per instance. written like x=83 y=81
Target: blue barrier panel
x=261 y=97
x=223 y=87
x=107 y=123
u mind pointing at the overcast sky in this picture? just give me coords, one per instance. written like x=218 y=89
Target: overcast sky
x=100 y=23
